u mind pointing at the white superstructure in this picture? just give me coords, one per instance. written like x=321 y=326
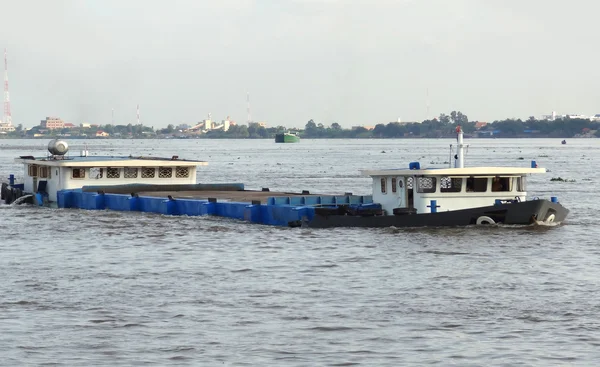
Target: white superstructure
x=450 y=188
x=59 y=172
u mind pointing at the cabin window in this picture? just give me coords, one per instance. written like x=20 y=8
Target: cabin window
x=45 y=172
x=130 y=172
x=182 y=172
x=383 y=189
x=148 y=172
x=33 y=170
x=78 y=173
x=165 y=172
x=113 y=173
x=409 y=183
x=96 y=173
x=501 y=184
x=520 y=184
x=449 y=184
x=426 y=184
x=477 y=184
x=394 y=187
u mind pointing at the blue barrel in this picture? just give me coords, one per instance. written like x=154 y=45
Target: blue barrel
x=39 y=199
x=134 y=203
x=11 y=179
x=533 y=164
x=554 y=199
x=171 y=208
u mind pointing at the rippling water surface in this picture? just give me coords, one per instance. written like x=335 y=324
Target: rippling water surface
x=90 y=288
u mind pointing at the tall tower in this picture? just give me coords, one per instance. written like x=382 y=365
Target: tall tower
x=249 y=117
x=138 y=114
x=7 y=115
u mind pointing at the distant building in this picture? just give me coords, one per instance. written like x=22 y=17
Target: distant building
x=52 y=123
x=555 y=116
x=85 y=125
x=363 y=127
x=69 y=125
x=583 y=117
x=262 y=124
x=101 y=134
x=226 y=124
x=6 y=127
x=552 y=116
x=480 y=124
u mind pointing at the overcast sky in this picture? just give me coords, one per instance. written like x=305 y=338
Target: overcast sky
x=356 y=62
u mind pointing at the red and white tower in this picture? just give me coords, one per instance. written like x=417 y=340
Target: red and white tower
x=7 y=115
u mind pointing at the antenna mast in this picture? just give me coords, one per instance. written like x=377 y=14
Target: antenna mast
x=7 y=115
x=138 y=114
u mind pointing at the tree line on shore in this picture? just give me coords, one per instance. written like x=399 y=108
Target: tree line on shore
x=443 y=126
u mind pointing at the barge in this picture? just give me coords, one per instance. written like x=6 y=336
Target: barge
x=409 y=197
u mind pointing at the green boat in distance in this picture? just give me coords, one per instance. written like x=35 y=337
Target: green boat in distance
x=287 y=138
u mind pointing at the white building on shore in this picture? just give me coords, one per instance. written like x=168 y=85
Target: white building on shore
x=6 y=127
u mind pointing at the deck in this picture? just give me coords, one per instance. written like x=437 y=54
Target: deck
x=235 y=196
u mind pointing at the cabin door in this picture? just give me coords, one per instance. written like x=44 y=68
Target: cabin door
x=410 y=192
x=401 y=182
x=35 y=183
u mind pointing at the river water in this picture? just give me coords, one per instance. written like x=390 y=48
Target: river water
x=101 y=288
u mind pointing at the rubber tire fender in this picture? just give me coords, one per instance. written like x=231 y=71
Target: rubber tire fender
x=484 y=219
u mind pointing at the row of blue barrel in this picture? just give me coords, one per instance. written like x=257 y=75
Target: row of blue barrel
x=275 y=212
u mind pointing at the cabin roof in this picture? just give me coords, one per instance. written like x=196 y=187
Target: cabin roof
x=469 y=171
x=108 y=161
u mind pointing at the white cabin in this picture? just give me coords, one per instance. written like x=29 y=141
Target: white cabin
x=447 y=189
x=57 y=172
x=451 y=188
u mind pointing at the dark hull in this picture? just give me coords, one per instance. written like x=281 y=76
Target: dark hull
x=286 y=138
x=526 y=212
x=10 y=194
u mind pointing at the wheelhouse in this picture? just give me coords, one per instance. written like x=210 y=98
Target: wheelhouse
x=448 y=189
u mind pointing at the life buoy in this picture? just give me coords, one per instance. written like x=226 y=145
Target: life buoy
x=550 y=218
x=485 y=220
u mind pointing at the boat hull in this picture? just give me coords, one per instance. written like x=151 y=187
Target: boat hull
x=286 y=138
x=295 y=211
x=517 y=213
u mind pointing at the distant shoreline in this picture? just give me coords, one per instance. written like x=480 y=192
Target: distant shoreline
x=272 y=139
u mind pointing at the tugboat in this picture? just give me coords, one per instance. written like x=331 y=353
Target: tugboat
x=408 y=197
x=287 y=138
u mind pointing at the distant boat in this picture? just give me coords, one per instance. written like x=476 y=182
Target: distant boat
x=287 y=138
x=563 y=142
